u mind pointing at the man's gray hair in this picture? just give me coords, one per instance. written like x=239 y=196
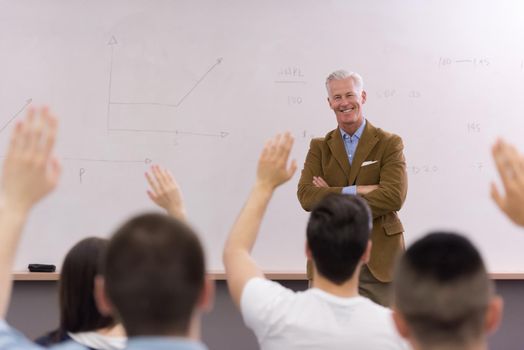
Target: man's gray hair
x=343 y=74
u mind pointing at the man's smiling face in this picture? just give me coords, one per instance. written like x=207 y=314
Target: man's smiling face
x=346 y=100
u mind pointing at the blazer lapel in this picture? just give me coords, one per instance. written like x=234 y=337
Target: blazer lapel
x=368 y=140
x=336 y=145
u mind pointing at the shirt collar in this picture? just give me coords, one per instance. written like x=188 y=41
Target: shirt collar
x=357 y=133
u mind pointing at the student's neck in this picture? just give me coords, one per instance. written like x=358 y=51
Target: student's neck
x=194 y=327
x=346 y=290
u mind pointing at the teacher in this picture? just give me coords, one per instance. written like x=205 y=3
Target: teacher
x=359 y=159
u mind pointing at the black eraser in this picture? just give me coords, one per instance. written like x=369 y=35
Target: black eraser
x=41 y=268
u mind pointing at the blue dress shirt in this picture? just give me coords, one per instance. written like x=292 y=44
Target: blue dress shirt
x=351 y=143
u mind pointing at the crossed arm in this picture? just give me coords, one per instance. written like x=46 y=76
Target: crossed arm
x=392 y=187
x=319 y=182
x=386 y=196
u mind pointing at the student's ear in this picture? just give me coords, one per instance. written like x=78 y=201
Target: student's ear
x=103 y=304
x=494 y=314
x=400 y=323
x=309 y=255
x=207 y=296
x=367 y=253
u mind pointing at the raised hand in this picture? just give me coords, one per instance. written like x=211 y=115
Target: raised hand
x=510 y=165
x=165 y=192
x=273 y=169
x=30 y=170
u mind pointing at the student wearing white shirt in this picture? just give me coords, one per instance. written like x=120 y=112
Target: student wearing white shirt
x=331 y=315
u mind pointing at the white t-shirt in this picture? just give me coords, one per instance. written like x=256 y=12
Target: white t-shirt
x=314 y=319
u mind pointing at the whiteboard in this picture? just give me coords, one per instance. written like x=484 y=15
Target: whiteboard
x=198 y=86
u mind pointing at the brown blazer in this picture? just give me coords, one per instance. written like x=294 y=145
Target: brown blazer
x=328 y=159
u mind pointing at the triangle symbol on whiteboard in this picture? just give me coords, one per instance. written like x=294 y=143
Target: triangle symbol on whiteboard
x=112 y=41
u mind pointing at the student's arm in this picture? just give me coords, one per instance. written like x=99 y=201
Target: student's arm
x=510 y=165
x=272 y=171
x=29 y=173
x=165 y=192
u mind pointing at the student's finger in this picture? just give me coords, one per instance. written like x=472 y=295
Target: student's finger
x=287 y=146
x=152 y=182
x=496 y=196
x=55 y=169
x=274 y=147
x=162 y=175
x=34 y=131
x=168 y=178
x=265 y=150
x=516 y=164
x=281 y=145
x=15 y=139
x=51 y=126
x=21 y=140
x=171 y=178
x=152 y=196
x=501 y=156
x=158 y=177
x=292 y=169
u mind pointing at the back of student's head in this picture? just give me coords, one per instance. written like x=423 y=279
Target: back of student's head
x=442 y=290
x=337 y=235
x=78 y=311
x=154 y=273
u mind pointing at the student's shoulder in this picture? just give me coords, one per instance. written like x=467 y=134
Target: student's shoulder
x=258 y=285
x=374 y=309
x=10 y=338
x=262 y=293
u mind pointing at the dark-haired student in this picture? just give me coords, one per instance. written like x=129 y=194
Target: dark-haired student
x=160 y=302
x=443 y=297
x=80 y=319
x=331 y=315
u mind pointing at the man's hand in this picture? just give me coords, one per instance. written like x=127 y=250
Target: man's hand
x=319 y=182
x=272 y=166
x=165 y=192
x=361 y=190
x=510 y=165
x=30 y=171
